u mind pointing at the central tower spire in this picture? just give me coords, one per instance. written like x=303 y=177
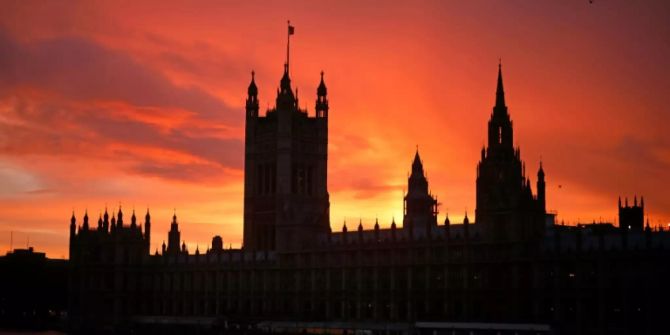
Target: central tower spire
x=506 y=209
x=500 y=92
x=501 y=136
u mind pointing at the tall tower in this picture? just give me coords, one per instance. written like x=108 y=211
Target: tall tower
x=631 y=217
x=541 y=189
x=173 y=237
x=506 y=208
x=73 y=233
x=286 y=202
x=420 y=206
x=147 y=231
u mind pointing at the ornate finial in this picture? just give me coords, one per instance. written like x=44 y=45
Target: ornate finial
x=253 y=74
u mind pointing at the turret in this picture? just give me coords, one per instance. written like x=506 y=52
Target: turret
x=147 y=229
x=105 y=220
x=420 y=205
x=86 y=220
x=119 y=218
x=252 y=97
x=73 y=232
x=133 y=220
x=285 y=98
x=447 y=227
x=173 y=236
x=466 y=226
x=344 y=232
x=542 y=202
x=73 y=226
x=321 y=99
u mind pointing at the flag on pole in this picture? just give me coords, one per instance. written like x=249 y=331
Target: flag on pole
x=291 y=30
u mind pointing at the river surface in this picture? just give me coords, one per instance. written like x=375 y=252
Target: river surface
x=17 y=332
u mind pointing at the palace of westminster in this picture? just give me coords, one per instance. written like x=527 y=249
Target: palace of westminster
x=509 y=270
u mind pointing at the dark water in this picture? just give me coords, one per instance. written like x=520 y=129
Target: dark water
x=16 y=332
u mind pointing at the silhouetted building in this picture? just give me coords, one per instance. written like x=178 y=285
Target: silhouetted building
x=631 y=217
x=420 y=206
x=286 y=202
x=509 y=272
x=507 y=210
x=33 y=290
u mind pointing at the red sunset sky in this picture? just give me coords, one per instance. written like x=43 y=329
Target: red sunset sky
x=104 y=103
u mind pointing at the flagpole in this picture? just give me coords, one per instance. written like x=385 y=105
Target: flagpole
x=288 y=44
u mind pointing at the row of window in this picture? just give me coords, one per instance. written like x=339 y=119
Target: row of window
x=302 y=179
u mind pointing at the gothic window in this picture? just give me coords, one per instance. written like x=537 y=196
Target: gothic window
x=302 y=180
x=259 y=179
x=273 y=178
x=267 y=178
x=310 y=176
x=499 y=135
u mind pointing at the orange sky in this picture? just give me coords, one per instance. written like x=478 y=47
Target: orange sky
x=142 y=104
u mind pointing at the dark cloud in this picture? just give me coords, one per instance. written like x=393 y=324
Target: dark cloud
x=82 y=73
x=42 y=128
x=227 y=152
x=80 y=69
x=191 y=172
x=632 y=165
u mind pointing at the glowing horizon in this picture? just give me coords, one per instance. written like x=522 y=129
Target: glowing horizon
x=143 y=105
